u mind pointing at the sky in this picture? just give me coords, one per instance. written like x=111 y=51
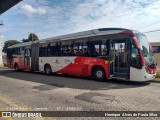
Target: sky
x=48 y=18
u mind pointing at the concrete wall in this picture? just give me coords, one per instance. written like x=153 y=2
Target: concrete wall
x=157 y=56
x=4 y=60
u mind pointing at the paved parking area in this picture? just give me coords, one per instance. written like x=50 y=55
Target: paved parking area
x=70 y=93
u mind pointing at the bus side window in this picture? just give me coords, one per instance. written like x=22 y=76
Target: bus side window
x=104 y=50
x=29 y=52
x=57 y=50
x=48 y=50
x=135 y=58
x=79 y=51
x=9 y=53
x=22 y=51
x=96 y=50
x=64 y=50
x=51 y=50
x=84 y=49
x=42 y=52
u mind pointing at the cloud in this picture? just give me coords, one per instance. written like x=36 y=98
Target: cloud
x=83 y=15
x=58 y=17
x=29 y=10
x=2 y=37
x=104 y=13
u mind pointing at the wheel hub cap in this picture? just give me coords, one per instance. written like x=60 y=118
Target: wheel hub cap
x=99 y=74
x=48 y=70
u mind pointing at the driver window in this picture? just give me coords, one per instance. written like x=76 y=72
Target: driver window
x=104 y=50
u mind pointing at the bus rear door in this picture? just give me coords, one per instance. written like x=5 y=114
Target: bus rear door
x=27 y=59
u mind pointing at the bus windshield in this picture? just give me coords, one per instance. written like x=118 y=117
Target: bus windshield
x=146 y=49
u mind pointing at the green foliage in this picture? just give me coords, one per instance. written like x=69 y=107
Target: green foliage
x=9 y=43
x=31 y=37
x=25 y=40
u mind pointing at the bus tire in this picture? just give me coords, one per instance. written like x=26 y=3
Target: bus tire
x=16 y=67
x=99 y=74
x=48 y=69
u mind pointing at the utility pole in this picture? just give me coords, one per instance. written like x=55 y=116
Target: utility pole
x=32 y=36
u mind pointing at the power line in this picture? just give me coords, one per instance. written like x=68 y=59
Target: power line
x=90 y=21
x=102 y=15
x=152 y=31
x=149 y=25
x=113 y=12
x=99 y=15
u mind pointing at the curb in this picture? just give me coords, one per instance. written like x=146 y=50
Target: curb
x=156 y=81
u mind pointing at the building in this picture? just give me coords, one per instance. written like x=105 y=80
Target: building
x=4 y=60
x=7 y=4
x=156 y=51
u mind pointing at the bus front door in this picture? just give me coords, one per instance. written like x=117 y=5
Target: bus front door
x=119 y=67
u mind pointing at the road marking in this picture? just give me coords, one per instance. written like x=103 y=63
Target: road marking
x=112 y=86
x=7 y=101
x=31 y=83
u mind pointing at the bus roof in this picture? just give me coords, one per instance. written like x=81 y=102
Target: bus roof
x=20 y=44
x=84 y=34
x=78 y=35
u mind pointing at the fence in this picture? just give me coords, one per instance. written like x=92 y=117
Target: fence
x=156 y=51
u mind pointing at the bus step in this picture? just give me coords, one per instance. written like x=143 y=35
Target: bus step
x=122 y=70
x=120 y=78
x=124 y=75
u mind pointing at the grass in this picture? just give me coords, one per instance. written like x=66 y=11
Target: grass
x=157 y=76
x=3 y=67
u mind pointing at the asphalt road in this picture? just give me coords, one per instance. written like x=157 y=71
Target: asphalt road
x=72 y=93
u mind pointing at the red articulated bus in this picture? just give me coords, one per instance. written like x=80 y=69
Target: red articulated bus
x=100 y=53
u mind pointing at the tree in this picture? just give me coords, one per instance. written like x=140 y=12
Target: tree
x=33 y=37
x=25 y=40
x=9 y=43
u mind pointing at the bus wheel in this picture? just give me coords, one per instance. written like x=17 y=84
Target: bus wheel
x=99 y=74
x=48 y=69
x=16 y=67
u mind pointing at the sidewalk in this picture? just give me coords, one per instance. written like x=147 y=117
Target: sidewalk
x=157 y=80
x=3 y=107
x=6 y=103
